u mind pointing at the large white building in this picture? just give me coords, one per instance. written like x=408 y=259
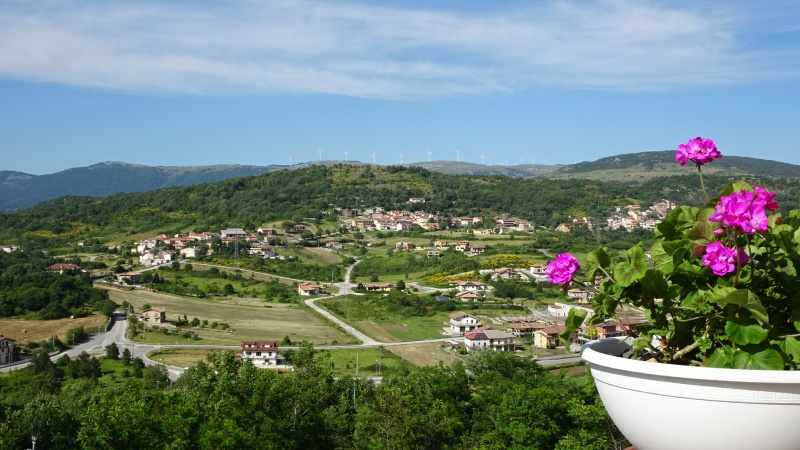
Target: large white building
x=261 y=353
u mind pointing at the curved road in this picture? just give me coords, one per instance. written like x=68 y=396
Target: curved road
x=117 y=333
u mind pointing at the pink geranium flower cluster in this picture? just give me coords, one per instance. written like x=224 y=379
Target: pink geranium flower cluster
x=560 y=270
x=745 y=211
x=699 y=150
x=722 y=260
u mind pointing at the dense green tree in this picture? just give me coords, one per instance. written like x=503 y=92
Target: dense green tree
x=126 y=357
x=112 y=351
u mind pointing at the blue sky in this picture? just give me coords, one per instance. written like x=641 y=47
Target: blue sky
x=269 y=82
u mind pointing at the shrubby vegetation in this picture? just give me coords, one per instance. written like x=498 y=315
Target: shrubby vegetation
x=493 y=401
x=25 y=287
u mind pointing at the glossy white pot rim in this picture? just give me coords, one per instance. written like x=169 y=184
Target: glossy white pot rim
x=602 y=353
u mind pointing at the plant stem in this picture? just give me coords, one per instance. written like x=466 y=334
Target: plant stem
x=680 y=353
x=702 y=183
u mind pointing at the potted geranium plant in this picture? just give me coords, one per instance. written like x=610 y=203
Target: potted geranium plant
x=720 y=292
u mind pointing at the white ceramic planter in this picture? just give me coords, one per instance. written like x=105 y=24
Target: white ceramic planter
x=662 y=406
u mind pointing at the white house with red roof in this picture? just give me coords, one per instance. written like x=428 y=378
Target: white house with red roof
x=309 y=289
x=488 y=337
x=261 y=353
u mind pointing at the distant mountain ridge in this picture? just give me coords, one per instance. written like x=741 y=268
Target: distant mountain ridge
x=20 y=190
x=640 y=167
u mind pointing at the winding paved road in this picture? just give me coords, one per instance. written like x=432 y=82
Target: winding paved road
x=117 y=329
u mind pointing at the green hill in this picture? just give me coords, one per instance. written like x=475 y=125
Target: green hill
x=312 y=192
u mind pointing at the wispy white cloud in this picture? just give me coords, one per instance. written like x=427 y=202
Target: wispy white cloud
x=368 y=50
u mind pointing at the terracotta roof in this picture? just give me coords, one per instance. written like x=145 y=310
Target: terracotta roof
x=259 y=345
x=476 y=336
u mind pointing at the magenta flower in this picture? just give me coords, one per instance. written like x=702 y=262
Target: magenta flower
x=561 y=270
x=742 y=210
x=698 y=150
x=721 y=259
x=767 y=197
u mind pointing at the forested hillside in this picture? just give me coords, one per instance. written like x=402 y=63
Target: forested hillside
x=19 y=190
x=308 y=193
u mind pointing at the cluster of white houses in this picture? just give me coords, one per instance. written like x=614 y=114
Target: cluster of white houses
x=153 y=251
x=627 y=217
x=376 y=218
x=544 y=333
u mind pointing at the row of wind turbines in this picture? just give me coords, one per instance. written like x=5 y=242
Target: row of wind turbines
x=458 y=157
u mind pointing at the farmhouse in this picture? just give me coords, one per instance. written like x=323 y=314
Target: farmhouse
x=232 y=233
x=6 y=350
x=548 y=337
x=466 y=296
x=469 y=285
x=525 y=329
x=266 y=231
x=129 y=277
x=386 y=287
x=488 y=337
x=264 y=353
x=461 y=322
x=309 y=289
x=404 y=245
x=65 y=269
x=507 y=273
x=155 y=315
x=539 y=272
x=477 y=250
x=581 y=295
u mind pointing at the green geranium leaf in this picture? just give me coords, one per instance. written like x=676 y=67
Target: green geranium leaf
x=655 y=284
x=744 y=331
x=633 y=270
x=768 y=359
x=735 y=186
x=743 y=298
x=702 y=232
x=597 y=260
x=791 y=346
x=676 y=223
x=575 y=319
x=641 y=344
x=721 y=357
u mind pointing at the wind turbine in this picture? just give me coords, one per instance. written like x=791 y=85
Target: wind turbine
x=482 y=159
x=401 y=158
x=373 y=157
x=345 y=155
x=429 y=155
x=290 y=160
x=458 y=155
x=320 y=154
